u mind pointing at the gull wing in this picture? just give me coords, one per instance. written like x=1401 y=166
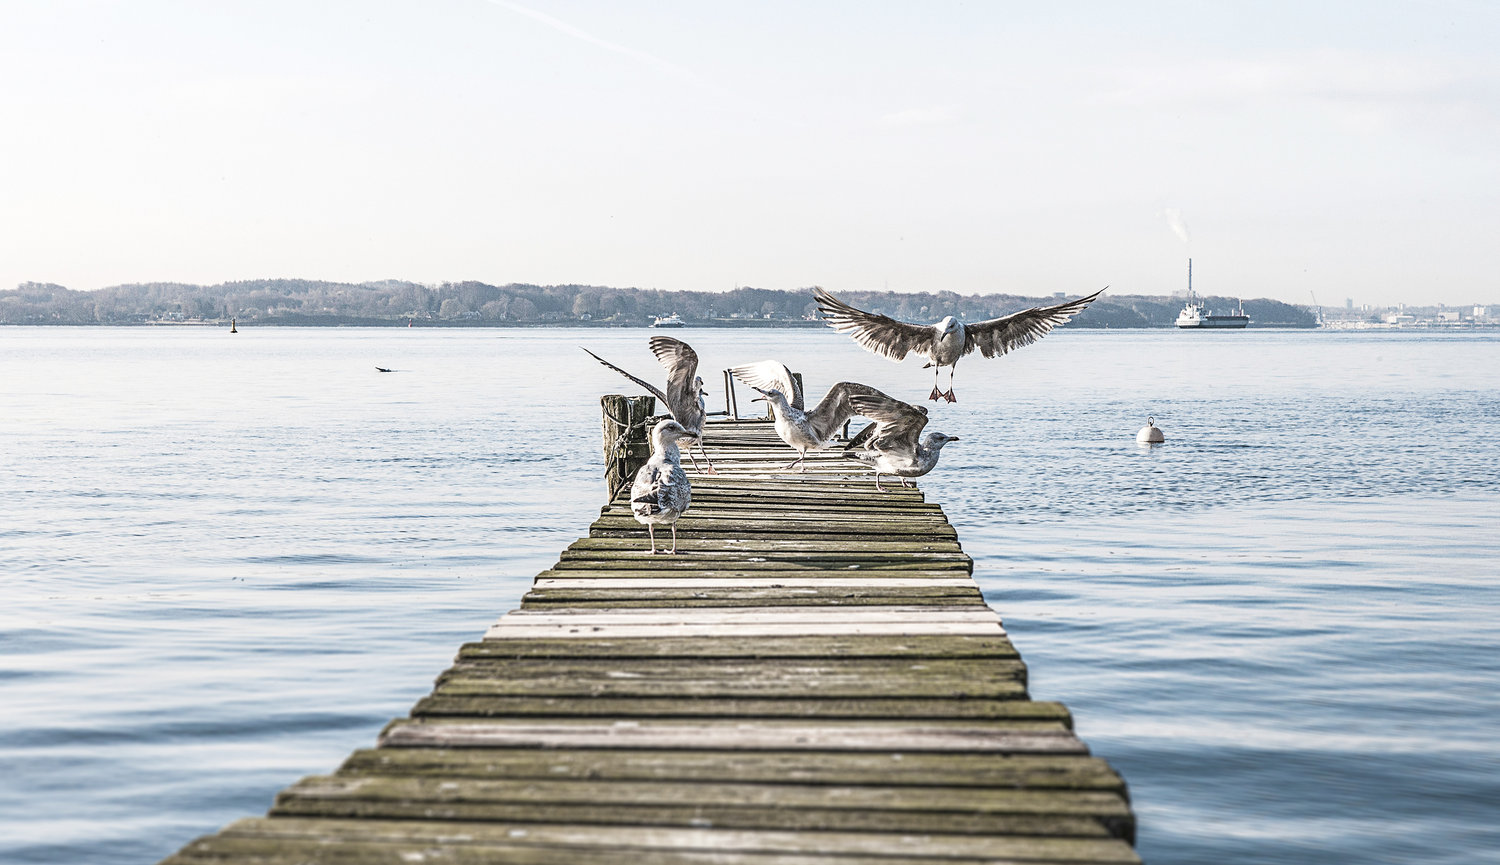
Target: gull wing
x=835 y=408
x=880 y=334
x=768 y=374
x=897 y=424
x=999 y=335
x=650 y=388
x=681 y=364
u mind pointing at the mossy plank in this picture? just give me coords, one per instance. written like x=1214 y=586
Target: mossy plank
x=742 y=647
x=778 y=806
x=919 y=770
x=893 y=709
x=677 y=566
x=734 y=598
x=323 y=837
x=897 y=547
x=686 y=678
x=775 y=595
x=1018 y=737
x=548 y=580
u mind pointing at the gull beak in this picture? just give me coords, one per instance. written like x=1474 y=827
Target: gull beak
x=952 y=439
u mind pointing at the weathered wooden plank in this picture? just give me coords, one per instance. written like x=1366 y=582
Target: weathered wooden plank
x=691 y=678
x=1013 y=771
x=785 y=621
x=899 y=548
x=634 y=560
x=777 y=806
x=748 y=708
x=730 y=646
x=418 y=838
x=703 y=513
x=790 y=571
x=831 y=525
x=969 y=612
x=765 y=595
x=504 y=631
x=752 y=735
x=613 y=582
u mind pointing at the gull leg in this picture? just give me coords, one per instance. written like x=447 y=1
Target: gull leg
x=949 y=395
x=877 y=484
x=936 y=394
x=904 y=483
x=695 y=460
x=651 y=530
x=711 y=469
x=673 y=551
x=793 y=464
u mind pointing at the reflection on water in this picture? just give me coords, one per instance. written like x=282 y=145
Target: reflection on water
x=227 y=561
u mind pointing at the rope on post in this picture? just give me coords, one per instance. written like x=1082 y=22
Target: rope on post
x=626 y=420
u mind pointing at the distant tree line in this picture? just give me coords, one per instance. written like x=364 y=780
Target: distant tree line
x=311 y=302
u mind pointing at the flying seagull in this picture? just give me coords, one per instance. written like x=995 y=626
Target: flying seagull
x=683 y=397
x=894 y=448
x=948 y=340
x=802 y=430
x=661 y=491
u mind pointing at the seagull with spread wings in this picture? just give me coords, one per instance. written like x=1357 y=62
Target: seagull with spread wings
x=945 y=342
x=684 y=396
x=894 y=448
x=802 y=429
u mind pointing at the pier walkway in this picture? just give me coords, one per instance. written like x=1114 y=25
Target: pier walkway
x=815 y=679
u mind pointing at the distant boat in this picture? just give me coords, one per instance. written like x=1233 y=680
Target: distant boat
x=673 y=320
x=1196 y=315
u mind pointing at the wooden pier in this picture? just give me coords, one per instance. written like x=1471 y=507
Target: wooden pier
x=815 y=679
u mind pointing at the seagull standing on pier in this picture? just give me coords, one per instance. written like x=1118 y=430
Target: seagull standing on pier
x=894 y=448
x=661 y=491
x=945 y=342
x=684 y=396
x=801 y=430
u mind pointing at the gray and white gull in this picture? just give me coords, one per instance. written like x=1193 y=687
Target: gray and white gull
x=802 y=429
x=896 y=446
x=661 y=491
x=948 y=340
x=684 y=396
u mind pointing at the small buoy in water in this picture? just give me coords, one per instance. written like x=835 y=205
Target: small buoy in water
x=231 y=326
x=1149 y=434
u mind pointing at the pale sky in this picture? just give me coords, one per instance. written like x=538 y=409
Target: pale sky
x=1342 y=149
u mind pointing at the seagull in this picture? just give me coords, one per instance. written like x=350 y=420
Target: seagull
x=945 y=342
x=801 y=430
x=684 y=396
x=661 y=491
x=383 y=369
x=893 y=448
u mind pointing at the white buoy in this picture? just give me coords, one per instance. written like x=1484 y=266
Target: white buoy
x=1149 y=434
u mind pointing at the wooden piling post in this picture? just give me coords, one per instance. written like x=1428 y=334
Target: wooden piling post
x=626 y=446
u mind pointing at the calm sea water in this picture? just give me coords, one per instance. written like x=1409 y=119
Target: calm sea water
x=227 y=561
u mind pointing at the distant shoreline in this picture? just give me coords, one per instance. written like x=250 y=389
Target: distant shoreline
x=727 y=324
